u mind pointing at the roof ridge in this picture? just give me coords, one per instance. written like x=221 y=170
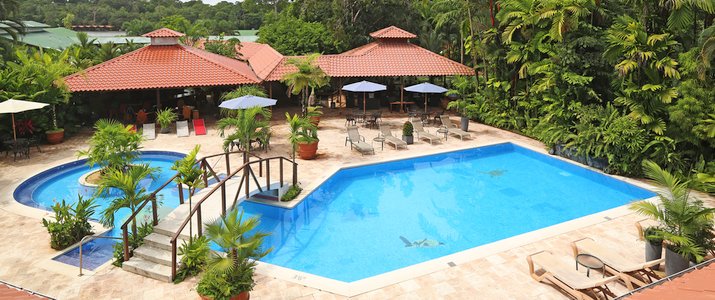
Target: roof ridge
x=440 y=56
x=217 y=63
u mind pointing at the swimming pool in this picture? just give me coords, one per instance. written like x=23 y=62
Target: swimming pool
x=62 y=182
x=369 y=220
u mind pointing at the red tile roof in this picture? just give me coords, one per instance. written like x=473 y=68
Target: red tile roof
x=261 y=57
x=382 y=59
x=392 y=32
x=9 y=292
x=697 y=284
x=154 y=67
x=163 y=32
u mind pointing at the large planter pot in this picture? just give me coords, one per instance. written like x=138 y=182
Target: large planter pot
x=241 y=296
x=653 y=251
x=674 y=262
x=464 y=125
x=315 y=120
x=166 y=129
x=55 y=136
x=307 y=151
x=408 y=139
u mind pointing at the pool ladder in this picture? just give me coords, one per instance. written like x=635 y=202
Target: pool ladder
x=88 y=237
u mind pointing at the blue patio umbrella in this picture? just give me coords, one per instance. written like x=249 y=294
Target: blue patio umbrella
x=364 y=87
x=247 y=101
x=426 y=88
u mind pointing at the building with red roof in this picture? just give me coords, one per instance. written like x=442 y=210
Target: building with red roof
x=692 y=284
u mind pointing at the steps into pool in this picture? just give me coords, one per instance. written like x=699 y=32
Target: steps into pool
x=153 y=258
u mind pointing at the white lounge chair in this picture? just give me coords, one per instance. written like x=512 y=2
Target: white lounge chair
x=565 y=276
x=357 y=141
x=390 y=139
x=149 y=131
x=422 y=134
x=182 y=128
x=452 y=129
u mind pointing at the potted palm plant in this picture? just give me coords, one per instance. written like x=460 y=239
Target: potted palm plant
x=407 y=133
x=303 y=136
x=165 y=117
x=685 y=224
x=314 y=114
x=230 y=276
x=653 y=243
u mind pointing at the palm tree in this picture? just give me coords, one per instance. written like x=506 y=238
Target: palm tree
x=128 y=182
x=684 y=222
x=235 y=269
x=308 y=75
x=249 y=124
x=190 y=176
x=707 y=46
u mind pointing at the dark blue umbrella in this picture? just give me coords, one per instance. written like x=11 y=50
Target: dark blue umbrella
x=426 y=88
x=364 y=87
x=247 y=101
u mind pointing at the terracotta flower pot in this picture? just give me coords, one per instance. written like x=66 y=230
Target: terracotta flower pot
x=241 y=296
x=315 y=120
x=307 y=151
x=55 y=136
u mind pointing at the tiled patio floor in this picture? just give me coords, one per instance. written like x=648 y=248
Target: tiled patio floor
x=24 y=243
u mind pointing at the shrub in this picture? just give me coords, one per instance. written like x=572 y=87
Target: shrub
x=134 y=242
x=113 y=145
x=194 y=255
x=71 y=223
x=291 y=193
x=165 y=117
x=407 y=129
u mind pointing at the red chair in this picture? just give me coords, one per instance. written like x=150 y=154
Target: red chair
x=199 y=127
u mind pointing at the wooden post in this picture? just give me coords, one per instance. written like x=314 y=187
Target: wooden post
x=125 y=238
x=268 y=174
x=223 y=199
x=154 y=212
x=173 y=259
x=228 y=165
x=280 y=170
x=181 y=194
x=402 y=93
x=340 y=93
x=198 y=219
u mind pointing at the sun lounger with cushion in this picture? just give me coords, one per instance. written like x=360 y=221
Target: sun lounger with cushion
x=452 y=129
x=390 y=139
x=357 y=141
x=565 y=276
x=422 y=134
x=182 y=128
x=631 y=272
x=149 y=131
x=199 y=127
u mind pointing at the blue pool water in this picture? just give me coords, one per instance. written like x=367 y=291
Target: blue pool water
x=365 y=221
x=62 y=182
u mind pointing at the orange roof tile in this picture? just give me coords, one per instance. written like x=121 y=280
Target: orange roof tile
x=261 y=57
x=163 y=32
x=382 y=59
x=392 y=32
x=696 y=284
x=9 y=292
x=154 y=67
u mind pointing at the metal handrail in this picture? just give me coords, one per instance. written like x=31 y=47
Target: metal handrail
x=82 y=242
x=222 y=185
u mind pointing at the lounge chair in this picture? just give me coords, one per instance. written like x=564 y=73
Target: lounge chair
x=423 y=134
x=149 y=131
x=357 y=141
x=182 y=128
x=452 y=129
x=631 y=272
x=565 y=276
x=390 y=139
x=199 y=127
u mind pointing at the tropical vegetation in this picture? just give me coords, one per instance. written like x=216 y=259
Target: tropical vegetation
x=189 y=175
x=307 y=76
x=132 y=192
x=112 y=146
x=71 y=222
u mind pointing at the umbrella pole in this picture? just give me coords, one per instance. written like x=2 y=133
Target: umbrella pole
x=14 y=135
x=363 y=103
x=425 y=102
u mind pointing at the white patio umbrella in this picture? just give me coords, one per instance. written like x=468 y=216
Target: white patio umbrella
x=364 y=87
x=247 y=101
x=426 y=88
x=12 y=106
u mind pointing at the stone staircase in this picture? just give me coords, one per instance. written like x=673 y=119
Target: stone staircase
x=153 y=258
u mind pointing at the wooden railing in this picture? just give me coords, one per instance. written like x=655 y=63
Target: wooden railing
x=208 y=172
x=245 y=178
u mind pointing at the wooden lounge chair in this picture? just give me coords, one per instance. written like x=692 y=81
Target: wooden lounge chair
x=149 y=131
x=422 y=134
x=357 y=141
x=199 y=127
x=182 y=128
x=390 y=139
x=567 y=278
x=631 y=272
x=452 y=129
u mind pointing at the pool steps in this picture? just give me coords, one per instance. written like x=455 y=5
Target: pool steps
x=153 y=258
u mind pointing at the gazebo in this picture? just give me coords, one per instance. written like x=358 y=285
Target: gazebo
x=161 y=65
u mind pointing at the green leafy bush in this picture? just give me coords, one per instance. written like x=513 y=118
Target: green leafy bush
x=71 y=222
x=291 y=193
x=113 y=145
x=407 y=129
x=165 y=117
x=134 y=242
x=194 y=255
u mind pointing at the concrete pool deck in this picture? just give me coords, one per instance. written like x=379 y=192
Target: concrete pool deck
x=501 y=274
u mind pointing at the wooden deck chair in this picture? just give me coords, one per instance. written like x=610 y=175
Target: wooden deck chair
x=390 y=139
x=566 y=277
x=149 y=131
x=422 y=134
x=199 y=127
x=357 y=141
x=631 y=272
x=182 y=128
x=452 y=129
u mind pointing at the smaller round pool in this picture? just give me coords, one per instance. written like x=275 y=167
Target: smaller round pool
x=62 y=182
